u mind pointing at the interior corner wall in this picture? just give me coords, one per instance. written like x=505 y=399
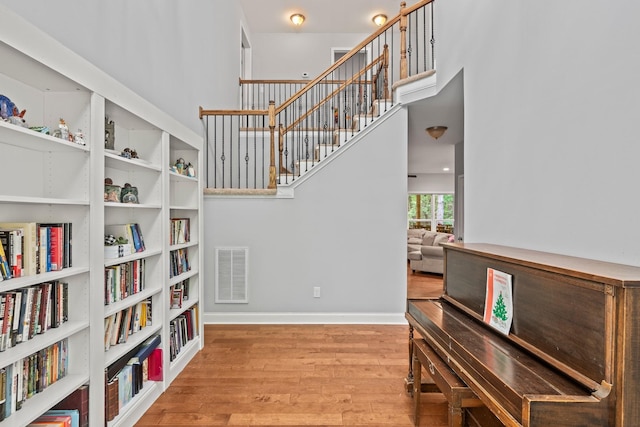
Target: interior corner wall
x=551 y=112
x=344 y=231
x=176 y=54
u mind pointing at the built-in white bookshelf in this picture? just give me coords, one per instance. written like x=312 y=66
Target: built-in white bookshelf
x=47 y=179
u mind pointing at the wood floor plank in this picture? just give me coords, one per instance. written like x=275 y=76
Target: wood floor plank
x=297 y=375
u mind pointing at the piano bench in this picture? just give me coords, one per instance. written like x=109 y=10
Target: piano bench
x=458 y=395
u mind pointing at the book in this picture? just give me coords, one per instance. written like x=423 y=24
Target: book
x=5 y=269
x=121 y=231
x=29 y=244
x=138 y=231
x=155 y=365
x=55 y=247
x=111 y=399
x=17 y=309
x=3 y=393
x=12 y=241
x=53 y=420
x=74 y=415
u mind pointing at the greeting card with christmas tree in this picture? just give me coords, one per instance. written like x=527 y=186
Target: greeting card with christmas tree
x=498 y=304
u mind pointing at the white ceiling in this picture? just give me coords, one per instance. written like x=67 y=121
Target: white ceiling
x=322 y=16
x=426 y=155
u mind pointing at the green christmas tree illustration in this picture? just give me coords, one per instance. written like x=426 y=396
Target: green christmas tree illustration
x=499 y=309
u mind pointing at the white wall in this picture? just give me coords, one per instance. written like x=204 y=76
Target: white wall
x=437 y=183
x=345 y=231
x=551 y=110
x=287 y=55
x=178 y=55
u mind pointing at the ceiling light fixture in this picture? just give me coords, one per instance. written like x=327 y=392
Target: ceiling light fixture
x=297 y=19
x=436 y=131
x=380 y=19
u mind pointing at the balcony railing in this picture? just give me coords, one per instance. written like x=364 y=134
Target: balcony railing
x=285 y=127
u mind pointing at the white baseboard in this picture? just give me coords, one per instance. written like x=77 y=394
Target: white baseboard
x=305 y=318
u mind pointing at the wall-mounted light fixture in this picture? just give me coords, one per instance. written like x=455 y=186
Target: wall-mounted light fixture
x=297 y=19
x=380 y=19
x=436 y=131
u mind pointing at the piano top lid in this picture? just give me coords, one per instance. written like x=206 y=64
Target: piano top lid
x=620 y=275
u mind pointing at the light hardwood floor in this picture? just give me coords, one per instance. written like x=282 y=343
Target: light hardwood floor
x=299 y=375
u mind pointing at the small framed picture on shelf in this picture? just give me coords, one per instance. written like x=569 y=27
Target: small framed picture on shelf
x=176 y=298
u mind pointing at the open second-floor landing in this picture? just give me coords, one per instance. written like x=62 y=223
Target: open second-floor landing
x=286 y=130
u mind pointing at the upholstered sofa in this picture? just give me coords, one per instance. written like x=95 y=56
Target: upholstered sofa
x=424 y=251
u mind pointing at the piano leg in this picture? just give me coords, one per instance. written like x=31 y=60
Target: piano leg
x=409 y=380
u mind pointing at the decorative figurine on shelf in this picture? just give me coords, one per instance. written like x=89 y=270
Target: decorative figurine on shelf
x=64 y=129
x=109 y=134
x=10 y=113
x=180 y=166
x=191 y=171
x=40 y=129
x=129 y=194
x=129 y=153
x=78 y=137
x=111 y=192
x=9 y=109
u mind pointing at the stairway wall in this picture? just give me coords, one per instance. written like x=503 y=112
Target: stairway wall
x=344 y=231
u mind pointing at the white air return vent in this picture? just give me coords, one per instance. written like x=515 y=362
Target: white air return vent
x=231 y=275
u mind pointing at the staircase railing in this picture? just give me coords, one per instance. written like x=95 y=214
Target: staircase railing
x=310 y=120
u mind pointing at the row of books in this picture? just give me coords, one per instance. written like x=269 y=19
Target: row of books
x=120 y=325
x=179 y=293
x=130 y=232
x=127 y=376
x=33 y=310
x=123 y=280
x=180 y=231
x=179 y=262
x=30 y=248
x=182 y=329
x=58 y=418
x=31 y=375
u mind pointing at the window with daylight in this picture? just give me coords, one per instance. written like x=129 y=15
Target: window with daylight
x=431 y=211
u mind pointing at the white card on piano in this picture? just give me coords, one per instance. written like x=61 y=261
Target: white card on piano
x=498 y=304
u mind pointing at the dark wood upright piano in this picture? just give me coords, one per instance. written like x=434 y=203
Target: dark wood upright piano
x=572 y=354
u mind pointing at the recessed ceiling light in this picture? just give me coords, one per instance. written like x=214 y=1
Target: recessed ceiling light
x=445 y=169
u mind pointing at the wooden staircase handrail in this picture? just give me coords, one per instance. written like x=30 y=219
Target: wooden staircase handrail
x=404 y=11
x=293 y=81
x=332 y=94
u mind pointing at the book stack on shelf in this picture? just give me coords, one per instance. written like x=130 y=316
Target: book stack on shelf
x=126 y=377
x=123 y=280
x=182 y=329
x=180 y=231
x=64 y=293
x=31 y=375
x=27 y=312
x=179 y=262
x=34 y=248
x=119 y=326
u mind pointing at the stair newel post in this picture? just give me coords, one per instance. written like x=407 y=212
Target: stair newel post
x=386 y=71
x=272 y=149
x=403 y=42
